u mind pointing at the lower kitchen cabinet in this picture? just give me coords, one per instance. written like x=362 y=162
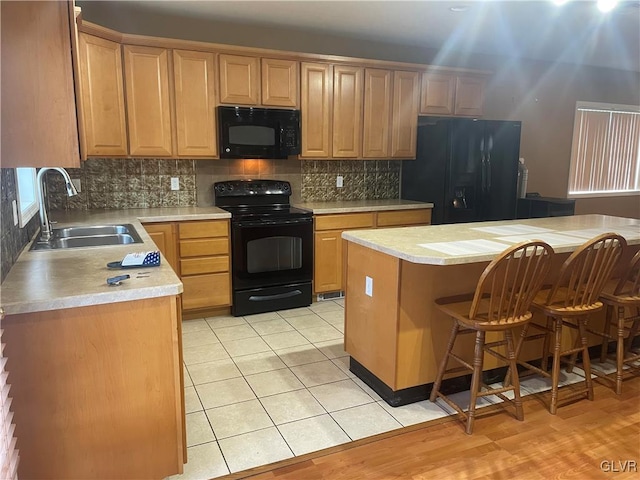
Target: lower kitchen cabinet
x=203 y=248
x=199 y=253
x=97 y=390
x=164 y=236
x=327 y=255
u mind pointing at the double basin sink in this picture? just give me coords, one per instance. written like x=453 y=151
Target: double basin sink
x=89 y=236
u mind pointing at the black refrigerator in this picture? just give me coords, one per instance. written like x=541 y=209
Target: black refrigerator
x=467 y=168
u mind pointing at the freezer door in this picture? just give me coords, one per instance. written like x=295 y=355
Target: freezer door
x=500 y=170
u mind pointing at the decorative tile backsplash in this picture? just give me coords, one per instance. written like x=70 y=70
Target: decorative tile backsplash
x=362 y=179
x=125 y=183
x=12 y=237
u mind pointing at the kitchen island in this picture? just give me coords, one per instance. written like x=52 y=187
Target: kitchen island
x=393 y=332
x=95 y=371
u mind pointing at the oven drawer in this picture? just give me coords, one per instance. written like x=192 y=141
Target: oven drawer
x=196 y=266
x=204 y=229
x=206 y=246
x=344 y=220
x=202 y=291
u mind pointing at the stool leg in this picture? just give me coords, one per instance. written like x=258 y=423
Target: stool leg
x=555 y=369
x=620 y=350
x=515 y=379
x=443 y=362
x=607 y=330
x=521 y=339
x=478 y=357
x=545 y=346
x=633 y=331
x=586 y=362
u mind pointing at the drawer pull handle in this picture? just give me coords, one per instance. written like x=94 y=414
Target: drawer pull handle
x=277 y=296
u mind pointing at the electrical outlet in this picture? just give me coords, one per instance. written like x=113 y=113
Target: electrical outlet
x=175 y=183
x=368 y=286
x=14 y=207
x=339 y=181
x=77 y=183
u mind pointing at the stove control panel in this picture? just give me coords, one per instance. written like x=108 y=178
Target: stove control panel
x=250 y=188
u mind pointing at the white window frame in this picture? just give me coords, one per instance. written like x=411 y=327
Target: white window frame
x=27 y=192
x=605 y=107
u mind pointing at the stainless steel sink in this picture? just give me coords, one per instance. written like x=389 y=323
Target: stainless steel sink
x=89 y=236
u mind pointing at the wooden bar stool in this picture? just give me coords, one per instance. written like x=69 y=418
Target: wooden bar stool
x=500 y=303
x=568 y=303
x=621 y=295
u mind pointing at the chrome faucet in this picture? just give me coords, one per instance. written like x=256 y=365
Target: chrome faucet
x=45 y=226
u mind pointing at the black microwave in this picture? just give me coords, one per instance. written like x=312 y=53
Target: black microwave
x=248 y=132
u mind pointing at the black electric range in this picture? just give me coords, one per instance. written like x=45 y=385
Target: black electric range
x=272 y=246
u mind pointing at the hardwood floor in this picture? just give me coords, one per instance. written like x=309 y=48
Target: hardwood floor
x=585 y=440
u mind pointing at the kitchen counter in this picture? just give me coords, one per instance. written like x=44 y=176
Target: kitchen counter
x=75 y=277
x=353 y=206
x=477 y=242
x=394 y=333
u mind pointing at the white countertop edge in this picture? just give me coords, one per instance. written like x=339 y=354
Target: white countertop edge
x=86 y=300
x=324 y=210
x=183 y=217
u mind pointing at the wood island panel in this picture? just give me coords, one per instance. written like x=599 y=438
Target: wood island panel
x=96 y=390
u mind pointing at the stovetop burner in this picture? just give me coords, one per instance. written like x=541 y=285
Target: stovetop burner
x=257 y=200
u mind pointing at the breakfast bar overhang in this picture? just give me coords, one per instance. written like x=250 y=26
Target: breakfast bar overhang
x=393 y=332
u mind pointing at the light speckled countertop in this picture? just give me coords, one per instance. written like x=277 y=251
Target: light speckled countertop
x=353 y=206
x=564 y=234
x=66 y=278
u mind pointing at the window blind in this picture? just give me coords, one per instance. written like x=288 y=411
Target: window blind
x=8 y=454
x=605 y=154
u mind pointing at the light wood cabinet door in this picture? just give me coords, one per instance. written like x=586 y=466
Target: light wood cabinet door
x=279 y=82
x=315 y=109
x=469 y=95
x=437 y=93
x=39 y=123
x=203 y=291
x=164 y=236
x=239 y=80
x=405 y=114
x=196 y=131
x=377 y=113
x=102 y=93
x=347 y=111
x=148 y=102
x=327 y=261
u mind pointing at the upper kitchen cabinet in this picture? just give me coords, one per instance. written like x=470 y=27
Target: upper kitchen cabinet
x=39 y=123
x=347 y=111
x=404 y=123
x=377 y=113
x=239 y=80
x=148 y=102
x=469 y=95
x=254 y=81
x=452 y=94
x=315 y=109
x=437 y=93
x=195 y=103
x=279 y=83
x=102 y=95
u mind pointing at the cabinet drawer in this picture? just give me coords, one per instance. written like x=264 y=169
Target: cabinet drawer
x=344 y=221
x=195 y=266
x=206 y=246
x=202 y=291
x=203 y=229
x=395 y=218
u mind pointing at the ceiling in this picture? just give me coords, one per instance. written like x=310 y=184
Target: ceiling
x=576 y=32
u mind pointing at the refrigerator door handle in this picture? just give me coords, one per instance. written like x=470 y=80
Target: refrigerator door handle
x=487 y=175
x=483 y=173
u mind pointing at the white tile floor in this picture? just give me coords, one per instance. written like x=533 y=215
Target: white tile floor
x=268 y=387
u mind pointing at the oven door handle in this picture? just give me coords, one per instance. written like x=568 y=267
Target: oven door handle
x=277 y=296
